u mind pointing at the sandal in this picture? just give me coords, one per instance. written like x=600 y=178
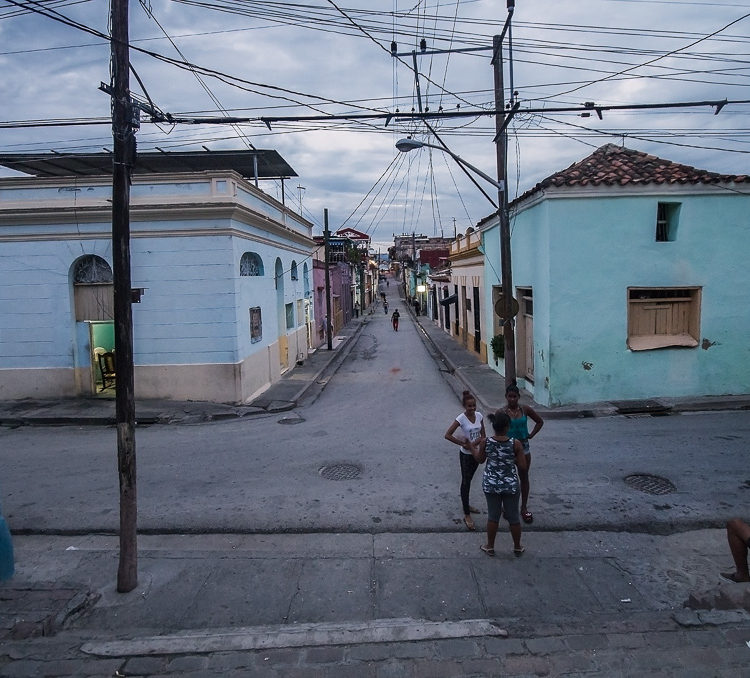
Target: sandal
x=527 y=516
x=733 y=576
x=486 y=549
x=469 y=524
x=518 y=552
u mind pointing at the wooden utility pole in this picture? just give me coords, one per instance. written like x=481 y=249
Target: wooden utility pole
x=123 y=158
x=326 y=252
x=506 y=271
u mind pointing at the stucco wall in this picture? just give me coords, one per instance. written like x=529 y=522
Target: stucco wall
x=192 y=327
x=600 y=246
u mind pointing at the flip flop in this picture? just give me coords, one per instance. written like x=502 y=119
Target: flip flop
x=470 y=524
x=732 y=576
x=518 y=552
x=527 y=516
x=486 y=549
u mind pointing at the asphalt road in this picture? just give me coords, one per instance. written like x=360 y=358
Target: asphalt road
x=382 y=417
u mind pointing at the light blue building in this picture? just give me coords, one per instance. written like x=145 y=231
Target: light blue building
x=632 y=278
x=225 y=272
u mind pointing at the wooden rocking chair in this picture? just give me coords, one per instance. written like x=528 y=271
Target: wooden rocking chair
x=107 y=368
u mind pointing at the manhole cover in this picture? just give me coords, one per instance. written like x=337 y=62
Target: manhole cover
x=649 y=484
x=340 y=471
x=291 y=420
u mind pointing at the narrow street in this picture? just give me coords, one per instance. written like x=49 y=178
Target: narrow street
x=381 y=417
x=328 y=540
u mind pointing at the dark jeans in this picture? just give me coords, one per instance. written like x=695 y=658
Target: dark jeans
x=469 y=467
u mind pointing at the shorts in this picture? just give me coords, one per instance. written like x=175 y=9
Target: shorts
x=526 y=449
x=503 y=504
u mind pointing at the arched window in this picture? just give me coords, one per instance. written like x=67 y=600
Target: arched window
x=91 y=269
x=251 y=264
x=92 y=289
x=294 y=271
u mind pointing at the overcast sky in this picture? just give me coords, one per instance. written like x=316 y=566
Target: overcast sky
x=333 y=57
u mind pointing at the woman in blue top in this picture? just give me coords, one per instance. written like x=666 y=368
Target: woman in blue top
x=500 y=483
x=519 y=429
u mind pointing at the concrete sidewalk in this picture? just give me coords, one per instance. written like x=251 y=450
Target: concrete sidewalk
x=584 y=603
x=282 y=396
x=488 y=386
x=463 y=370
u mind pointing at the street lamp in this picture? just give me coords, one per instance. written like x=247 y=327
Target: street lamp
x=406 y=145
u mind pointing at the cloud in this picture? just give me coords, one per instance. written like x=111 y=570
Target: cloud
x=565 y=52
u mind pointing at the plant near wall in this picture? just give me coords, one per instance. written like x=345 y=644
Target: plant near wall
x=498 y=347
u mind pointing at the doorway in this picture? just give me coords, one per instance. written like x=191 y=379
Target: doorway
x=102 y=343
x=525 y=331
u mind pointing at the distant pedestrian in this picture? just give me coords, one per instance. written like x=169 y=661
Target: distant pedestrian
x=519 y=429
x=356 y=309
x=500 y=482
x=471 y=425
x=6 y=550
x=738 y=536
x=385 y=307
x=394 y=320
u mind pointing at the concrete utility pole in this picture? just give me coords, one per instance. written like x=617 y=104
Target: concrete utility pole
x=326 y=252
x=506 y=271
x=123 y=159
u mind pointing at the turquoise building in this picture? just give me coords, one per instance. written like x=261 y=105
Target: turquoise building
x=632 y=278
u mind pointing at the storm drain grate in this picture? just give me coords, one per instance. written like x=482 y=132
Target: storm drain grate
x=340 y=471
x=644 y=482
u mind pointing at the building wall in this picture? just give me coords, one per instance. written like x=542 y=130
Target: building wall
x=580 y=253
x=192 y=328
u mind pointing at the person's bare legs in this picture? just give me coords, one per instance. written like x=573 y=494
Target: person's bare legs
x=515 y=532
x=525 y=485
x=491 y=534
x=738 y=536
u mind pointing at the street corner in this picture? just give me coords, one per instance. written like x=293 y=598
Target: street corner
x=725 y=596
x=34 y=610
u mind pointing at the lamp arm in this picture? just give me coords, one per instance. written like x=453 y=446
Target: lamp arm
x=499 y=185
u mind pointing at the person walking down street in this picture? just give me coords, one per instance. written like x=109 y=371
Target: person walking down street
x=6 y=550
x=738 y=536
x=471 y=425
x=519 y=430
x=385 y=307
x=356 y=309
x=501 y=486
x=394 y=320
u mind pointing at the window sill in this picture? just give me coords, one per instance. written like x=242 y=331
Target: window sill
x=653 y=341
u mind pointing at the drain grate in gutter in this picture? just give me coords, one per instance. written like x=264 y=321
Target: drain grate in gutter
x=340 y=471
x=645 y=482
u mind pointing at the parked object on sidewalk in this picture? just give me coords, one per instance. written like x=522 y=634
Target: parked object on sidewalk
x=472 y=432
x=500 y=482
x=394 y=319
x=519 y=429
x=738 y=536
x=6 y=550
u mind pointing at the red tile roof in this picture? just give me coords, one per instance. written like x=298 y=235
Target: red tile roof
x=613 y=165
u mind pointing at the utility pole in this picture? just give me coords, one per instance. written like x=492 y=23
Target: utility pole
x=326 y=252
x=123 y=158
x=506 y=271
